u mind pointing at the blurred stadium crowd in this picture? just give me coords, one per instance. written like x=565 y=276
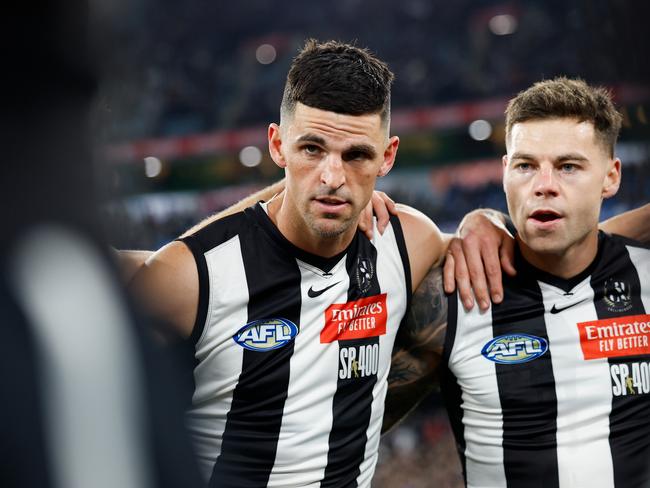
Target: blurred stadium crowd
x=190 y=67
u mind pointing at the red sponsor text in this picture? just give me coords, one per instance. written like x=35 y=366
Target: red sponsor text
x=615 y=337
x=359 y=319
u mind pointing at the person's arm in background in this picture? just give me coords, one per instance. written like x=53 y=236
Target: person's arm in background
x=265 y=194
x=381 y=206
x=130 y=261
x=634 y=224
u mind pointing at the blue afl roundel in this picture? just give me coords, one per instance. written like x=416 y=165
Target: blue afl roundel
x=514 y=348
x=267 y=334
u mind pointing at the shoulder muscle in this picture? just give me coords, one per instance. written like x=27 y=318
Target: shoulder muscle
x=425 y=244
x=168 y=286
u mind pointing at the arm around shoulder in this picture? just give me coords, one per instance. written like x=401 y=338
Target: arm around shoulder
x=129 y=262
x=167 y=285
x=633 y=224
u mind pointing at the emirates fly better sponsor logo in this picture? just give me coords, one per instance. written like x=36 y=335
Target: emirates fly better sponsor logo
x=358 y=319
x=620 y=336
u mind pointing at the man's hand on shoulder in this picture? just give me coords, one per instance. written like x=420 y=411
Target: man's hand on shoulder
x=380 y=206
x=481 y=248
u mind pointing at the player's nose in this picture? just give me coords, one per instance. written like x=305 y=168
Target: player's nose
x=333 y=171
x=546 y=183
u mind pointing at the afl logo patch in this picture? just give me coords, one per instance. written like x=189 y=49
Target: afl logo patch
x=267 y=334
x=514 y=348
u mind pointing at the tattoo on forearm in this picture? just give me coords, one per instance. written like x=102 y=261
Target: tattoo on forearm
x=418 y=350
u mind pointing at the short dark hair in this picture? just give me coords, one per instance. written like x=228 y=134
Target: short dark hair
x=564 y=97
x=340 y=78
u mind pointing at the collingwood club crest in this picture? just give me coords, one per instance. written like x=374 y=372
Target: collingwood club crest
x=364 y=274
x=617 y=295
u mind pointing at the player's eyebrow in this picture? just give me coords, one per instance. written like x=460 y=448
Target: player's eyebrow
x=362 y=148
x=571 y=157
x=520 y=155
x=560 y=158
x=312 y=138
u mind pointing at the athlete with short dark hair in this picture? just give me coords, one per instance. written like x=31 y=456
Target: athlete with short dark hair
x=551 y=387
x=292 y=311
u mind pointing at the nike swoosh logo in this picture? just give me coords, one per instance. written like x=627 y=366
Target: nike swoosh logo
x=554 y=309
x=316 y=293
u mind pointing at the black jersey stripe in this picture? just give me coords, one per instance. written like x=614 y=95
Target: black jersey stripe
x=253 y=423
x=352 y=404
x=401 y=245
x=452 y=394
x=617 y=292
x=529 y=417
x=204 y=287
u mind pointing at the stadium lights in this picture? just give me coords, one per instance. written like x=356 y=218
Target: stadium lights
x=250 y=156
x=480 y=130
x=152 y=166
x=265 y=54
x=503 y=25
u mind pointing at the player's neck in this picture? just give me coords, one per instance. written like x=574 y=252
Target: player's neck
x=297 y=233
x=567 y=263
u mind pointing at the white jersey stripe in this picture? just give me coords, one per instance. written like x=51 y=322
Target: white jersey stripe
x=583 y=393
x=483 y=442
x=214 y=389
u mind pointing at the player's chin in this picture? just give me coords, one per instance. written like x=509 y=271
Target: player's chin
x=332 y=226
x=547 y=244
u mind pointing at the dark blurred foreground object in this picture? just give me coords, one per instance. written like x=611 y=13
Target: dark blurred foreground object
x=86 y=399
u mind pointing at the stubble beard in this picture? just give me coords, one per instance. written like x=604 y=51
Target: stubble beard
x=325 y=231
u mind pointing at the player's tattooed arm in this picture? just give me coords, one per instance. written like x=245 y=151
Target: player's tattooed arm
x=418 y=350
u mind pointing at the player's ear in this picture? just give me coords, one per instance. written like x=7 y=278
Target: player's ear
x=389 y=156
x=612 y=179
x=504 y=167
x=275 y=145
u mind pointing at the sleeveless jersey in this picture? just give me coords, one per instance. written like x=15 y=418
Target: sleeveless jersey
x=293 y=354
x=551 y=388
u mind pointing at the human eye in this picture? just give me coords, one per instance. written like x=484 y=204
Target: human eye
x=356 y=156
x=569 y=167
x=311 y=149
x=523 y=166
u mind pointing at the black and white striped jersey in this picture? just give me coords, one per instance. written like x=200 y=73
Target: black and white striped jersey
x=293 y=354
x=551 y=388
